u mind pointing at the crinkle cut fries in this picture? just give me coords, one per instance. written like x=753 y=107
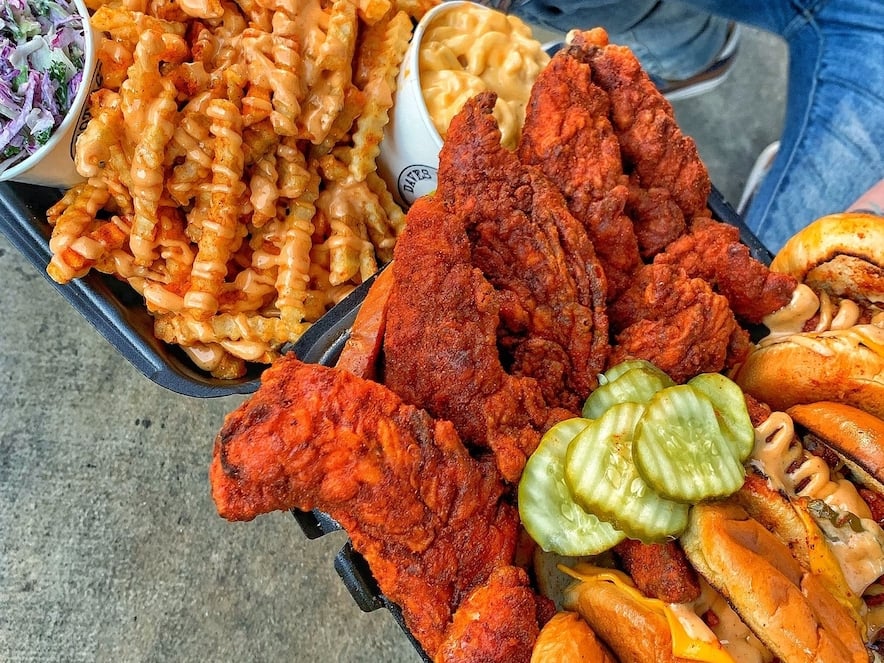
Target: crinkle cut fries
x=231 y=165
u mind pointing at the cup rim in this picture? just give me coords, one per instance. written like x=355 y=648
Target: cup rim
x=73 y=114
x=413 y=59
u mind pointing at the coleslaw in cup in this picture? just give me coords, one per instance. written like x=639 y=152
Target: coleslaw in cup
x=48 y=67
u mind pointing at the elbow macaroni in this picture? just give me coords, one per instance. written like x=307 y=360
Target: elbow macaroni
x=474 y=49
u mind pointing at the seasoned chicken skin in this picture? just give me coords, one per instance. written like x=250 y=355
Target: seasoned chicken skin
x=713 y=252
x=496 y=318
x=568 y=134
x=430 y=520
x=651 y=143
x=677 y=323
x=499 y=621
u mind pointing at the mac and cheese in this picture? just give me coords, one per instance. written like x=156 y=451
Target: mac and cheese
x=470 y=49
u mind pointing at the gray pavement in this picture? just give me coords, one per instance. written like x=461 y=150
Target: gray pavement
x=110 y=547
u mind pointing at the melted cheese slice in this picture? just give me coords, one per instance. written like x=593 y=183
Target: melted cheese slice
x=691 y=637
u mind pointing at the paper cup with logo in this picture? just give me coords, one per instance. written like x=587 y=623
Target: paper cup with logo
x=409 y=152
x=53 y=163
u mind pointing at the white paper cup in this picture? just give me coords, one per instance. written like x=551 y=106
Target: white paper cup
x=53 y=164
x=409 y=153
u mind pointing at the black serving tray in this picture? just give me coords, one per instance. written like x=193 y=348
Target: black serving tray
x=118 y=312
x=119 y=315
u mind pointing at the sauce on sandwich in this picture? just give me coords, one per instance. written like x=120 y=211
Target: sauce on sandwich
x=791 y=469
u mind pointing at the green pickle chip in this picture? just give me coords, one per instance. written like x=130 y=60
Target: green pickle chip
x=730 y=408
x=627 y=365
x=546 y=507
x=635 y=385
x=681 y=451
x=604 y=480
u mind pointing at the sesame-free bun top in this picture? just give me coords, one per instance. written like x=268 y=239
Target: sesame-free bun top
x=842 y=254
x=855 y=435
x=838 y=261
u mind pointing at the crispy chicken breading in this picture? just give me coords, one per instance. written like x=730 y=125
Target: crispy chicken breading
x=657 y=219
x=713 y=252
x=651 y=142
x=659 y=570
x=430 y=520
x=499 y=621
x=440 y=345
x=677 y=323
x=496 y=316
x=568 y=134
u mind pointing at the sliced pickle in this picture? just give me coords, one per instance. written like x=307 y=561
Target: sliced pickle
x=680 y=449
x=730 y=408
x=604 y=480
x=548 y=511
x=636 y=385
x=627 y=365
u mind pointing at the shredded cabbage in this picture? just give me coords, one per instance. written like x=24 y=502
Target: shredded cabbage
x=41 y=68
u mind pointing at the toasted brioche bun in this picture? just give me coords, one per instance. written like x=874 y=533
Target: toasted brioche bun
x=786 y=606
x=634 y=632
x=793 y=525
x=855 y=435
x=842 y=254
x=845 y=366
x=567 y=638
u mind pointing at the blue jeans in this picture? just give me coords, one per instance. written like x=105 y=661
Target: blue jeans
x=831 y=146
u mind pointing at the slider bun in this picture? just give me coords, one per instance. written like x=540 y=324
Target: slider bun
x=845 y=365
x=792 y=524
x=785 y=606
x=840 y=253
x=634 y=632
x=855 y=435
x=567 y=638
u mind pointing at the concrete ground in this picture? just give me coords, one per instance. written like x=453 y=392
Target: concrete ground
x=110 y=547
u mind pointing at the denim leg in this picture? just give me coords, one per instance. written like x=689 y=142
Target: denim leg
x=831 y=147
x=671 y=39
x=563 y=15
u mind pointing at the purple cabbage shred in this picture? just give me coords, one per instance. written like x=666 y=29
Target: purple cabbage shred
x=41 y=69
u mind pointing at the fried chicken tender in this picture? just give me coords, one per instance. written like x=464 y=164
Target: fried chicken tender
x=363 y=346
x=651 y=142
x=659 y=570
x=568 y=134
x=431 y=521
x=657 y=219
x=713 y=252
x=537 y=256
x=676 y=322
x=496 y=318
x=498 y=622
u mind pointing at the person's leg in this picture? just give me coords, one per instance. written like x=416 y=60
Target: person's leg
x=671 y=39
x=831 y=147
x=564 y=15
